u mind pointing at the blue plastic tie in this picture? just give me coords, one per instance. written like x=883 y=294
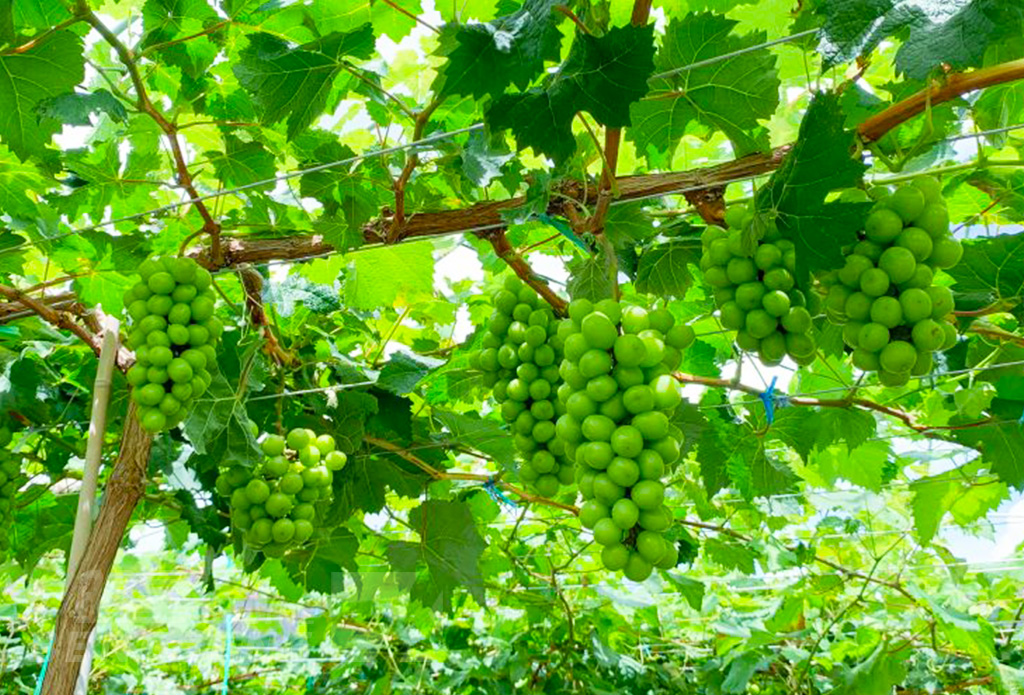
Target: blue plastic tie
x=228 y=624
x=1021 y=420
x=42 y=672
x=491 y=486
x=772 y=401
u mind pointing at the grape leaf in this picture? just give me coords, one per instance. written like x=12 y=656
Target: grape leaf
x=955 y=32
x=602 y=75
x=486 y=436
x=403 y=371
x=937 y=495
x=730 y=555
x=482 y=159
x=819 y=163
x=664 y=269
x=321 y=566
x=590 y=277
x=47 y=70
x=876 y=675
x=293 y=83
x=75 y=108
x=730 y=95
x=243 y=163
x=363 y=484
x=395 y=18
x=389 y=275
x=484 y=59
x=16 y=179
x=449 y=548
x=992 y=267
x=1001 y=443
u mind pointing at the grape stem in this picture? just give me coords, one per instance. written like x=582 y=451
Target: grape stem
x=437 y=475
x=520 y=267
x=63 y=320
x=252 y=286
x=851 y=400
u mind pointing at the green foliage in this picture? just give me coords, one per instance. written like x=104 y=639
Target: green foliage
x=730 y=96
x=602 y=76
x=860 y=541
x=795 y=195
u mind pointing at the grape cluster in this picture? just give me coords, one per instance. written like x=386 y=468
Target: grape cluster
x=618 y=394
x=174 y=334
x=274 y=503
x=10 y=482
x=519 y=356
x=893 y=317
x=755 y=289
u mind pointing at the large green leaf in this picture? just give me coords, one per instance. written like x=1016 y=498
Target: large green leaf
x=49 y=69
x=444 y=559
x=730 y=95
x=954 y=32
x=293 y=83
x=484 y=59
x=819 y=163
x=602 y=76
x=665 y=269
x=992 y=268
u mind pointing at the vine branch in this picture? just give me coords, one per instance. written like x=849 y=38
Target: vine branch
x=252 y=286
x=170 y=130
x=905 y=417
x=507 y=253
x=436 y=475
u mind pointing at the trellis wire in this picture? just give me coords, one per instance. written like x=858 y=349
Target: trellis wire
x=733 y=54
x=436 y=138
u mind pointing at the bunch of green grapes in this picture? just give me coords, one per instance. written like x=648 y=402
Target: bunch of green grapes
x=273 y=504
x=618 y=395
x=174 y=335
x=755 y=290
x=892 y=314
x=10 y=482
x=520 y=354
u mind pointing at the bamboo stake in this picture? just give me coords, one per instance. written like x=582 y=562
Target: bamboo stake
x=90 y=478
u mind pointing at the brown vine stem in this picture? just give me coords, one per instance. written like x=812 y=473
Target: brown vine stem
x=422 y=118
x=252 y=286
x=520 y=267
x=170 y=130
x=612 y=140
x=996 y=334
x=457 y=221
x=902 y=415
x=960 y=83
x=64 y=321
x=436 y=474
